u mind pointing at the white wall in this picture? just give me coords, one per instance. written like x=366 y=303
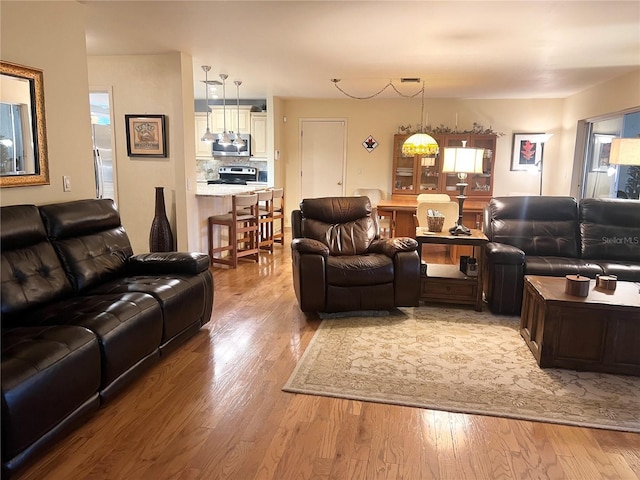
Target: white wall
x=151 y=84
x=58 y=49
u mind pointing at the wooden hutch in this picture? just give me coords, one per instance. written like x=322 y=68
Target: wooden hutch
x=413 y=175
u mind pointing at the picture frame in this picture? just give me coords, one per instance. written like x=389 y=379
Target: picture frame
x=601 y=151
x=527 y=151
x=146 y=135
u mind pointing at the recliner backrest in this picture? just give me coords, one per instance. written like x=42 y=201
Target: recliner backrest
x=344 y=224
x=610 y=229
x=89 y=239
x=536 y=225
x=32 y=273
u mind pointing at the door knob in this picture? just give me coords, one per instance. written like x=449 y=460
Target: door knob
x=339 y=183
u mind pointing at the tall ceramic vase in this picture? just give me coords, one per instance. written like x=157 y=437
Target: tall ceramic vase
x=161 y=237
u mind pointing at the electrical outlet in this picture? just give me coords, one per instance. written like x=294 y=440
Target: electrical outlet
x=66 y=183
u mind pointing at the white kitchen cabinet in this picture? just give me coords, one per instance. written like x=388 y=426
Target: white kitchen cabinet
x=203 y=149
x=259 y=135
x=218 y=117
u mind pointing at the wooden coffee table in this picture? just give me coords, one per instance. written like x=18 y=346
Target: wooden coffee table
x=600 y=332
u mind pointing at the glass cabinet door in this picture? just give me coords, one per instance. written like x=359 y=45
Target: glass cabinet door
x=481 y=184
x=404 y=168
x=429 y=176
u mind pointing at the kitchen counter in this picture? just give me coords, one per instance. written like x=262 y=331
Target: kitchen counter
x=223 y=190
x=215 y=199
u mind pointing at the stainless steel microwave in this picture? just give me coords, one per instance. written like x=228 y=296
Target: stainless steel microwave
x=232 y=150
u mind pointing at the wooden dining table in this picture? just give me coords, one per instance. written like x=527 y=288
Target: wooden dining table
x=401 y=210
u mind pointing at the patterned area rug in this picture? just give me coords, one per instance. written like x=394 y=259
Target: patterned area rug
x=459 y=361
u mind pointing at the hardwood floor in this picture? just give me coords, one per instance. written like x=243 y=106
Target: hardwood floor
x=214 y=409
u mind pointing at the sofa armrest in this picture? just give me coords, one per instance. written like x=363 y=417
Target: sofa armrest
x=502 y=253
x=391 y=246
x=503 y=277
x=309 y=245
x=162 y=263
x=406 y=266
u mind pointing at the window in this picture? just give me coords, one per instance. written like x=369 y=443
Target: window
x=600 y=179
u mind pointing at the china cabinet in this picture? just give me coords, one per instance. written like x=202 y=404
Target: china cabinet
x=413 y=175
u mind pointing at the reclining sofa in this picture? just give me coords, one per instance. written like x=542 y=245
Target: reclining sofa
x=82 y=317
x=340 y=263
x=556 y=236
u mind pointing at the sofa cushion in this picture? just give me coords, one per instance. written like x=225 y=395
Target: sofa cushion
x=344 y=224
x=627 y=272
x=610 y=228
x=31 y=273
x=182 y=298
x=89 y=239
x=540 y=226
x=560 y=266
x=370 y=269
x=48 y=373
x=128 y=327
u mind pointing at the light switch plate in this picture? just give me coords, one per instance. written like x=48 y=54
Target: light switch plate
x=66 y=183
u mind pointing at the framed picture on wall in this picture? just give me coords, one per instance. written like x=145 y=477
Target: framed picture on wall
x=527 y=151
x=601 y=152
x=146 y=135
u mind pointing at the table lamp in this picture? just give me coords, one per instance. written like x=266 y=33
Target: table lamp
x=462 y=161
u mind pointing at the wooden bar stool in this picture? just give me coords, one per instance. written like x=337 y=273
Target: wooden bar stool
x=242 y=222
x=278 y=215
x=265 y=219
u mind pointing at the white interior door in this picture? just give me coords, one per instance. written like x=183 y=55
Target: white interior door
x=323 y=151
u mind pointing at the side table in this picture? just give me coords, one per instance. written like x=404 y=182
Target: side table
x=446 y=283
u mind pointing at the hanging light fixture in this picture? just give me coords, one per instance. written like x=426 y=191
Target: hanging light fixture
x=420 y=143
x=238 y=142
x=208 y=136
x=224 y=137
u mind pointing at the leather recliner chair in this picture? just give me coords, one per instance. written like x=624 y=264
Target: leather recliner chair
x=341 y=264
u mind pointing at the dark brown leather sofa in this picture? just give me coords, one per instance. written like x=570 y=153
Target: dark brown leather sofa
x=340 y=263
x=82 y=317
x=556 y=236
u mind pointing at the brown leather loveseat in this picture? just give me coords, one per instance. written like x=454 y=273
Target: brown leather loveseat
x=556 y=236
x=82 y=317
x=340 y=263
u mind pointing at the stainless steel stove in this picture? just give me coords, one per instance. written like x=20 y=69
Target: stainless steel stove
x=237 y=175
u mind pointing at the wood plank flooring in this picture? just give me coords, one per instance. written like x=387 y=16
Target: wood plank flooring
x=214 y=409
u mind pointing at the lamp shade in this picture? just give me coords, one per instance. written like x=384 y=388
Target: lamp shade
x=625 y=151
x=462 y=160
x=420 y=144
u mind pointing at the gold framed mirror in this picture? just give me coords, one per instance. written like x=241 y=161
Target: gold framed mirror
x=23 y=137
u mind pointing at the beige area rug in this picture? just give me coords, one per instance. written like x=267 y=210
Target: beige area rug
x=459 y=361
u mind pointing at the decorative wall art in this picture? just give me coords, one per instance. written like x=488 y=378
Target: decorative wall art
x=527 y=151
x=370 y=144
x=601 y=152
x=146 y=136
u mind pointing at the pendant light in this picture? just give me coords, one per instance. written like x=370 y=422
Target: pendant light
x=208 y=136
x=224 y=138
x=238 y=142
x=420 y=143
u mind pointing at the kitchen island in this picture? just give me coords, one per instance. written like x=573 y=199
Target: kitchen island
x=216 y=200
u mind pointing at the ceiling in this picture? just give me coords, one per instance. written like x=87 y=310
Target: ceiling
x=460 y=49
